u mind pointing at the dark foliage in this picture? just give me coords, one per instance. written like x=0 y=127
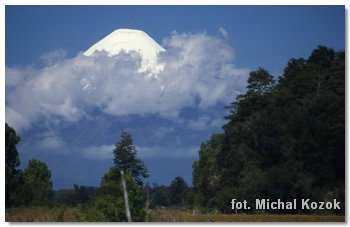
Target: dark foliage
x=125 y=158
x=37 y=185
x=177 y=191
x=108 y=206
x=78 y=195
x=13 y=175
x=283 y=140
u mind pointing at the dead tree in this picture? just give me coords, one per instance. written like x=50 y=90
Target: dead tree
x=126 y=199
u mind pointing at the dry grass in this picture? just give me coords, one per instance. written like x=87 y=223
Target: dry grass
x=42 y=214
x=167 y=215
x=60 y=214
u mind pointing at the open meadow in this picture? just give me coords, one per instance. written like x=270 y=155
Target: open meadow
x=64 y=214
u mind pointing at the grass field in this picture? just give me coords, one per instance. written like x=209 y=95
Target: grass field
x=64 y=214
x=167 y=215
x=42 y=214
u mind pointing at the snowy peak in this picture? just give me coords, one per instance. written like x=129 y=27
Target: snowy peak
x=127 y=40
x=131 y=40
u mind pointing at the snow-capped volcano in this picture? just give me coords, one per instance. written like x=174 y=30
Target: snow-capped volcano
x=131 y=40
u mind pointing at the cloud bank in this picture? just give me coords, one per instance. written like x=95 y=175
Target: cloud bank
x=105 y=152
x=198 y=72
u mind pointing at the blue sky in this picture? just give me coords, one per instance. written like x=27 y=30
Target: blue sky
x=73 y=135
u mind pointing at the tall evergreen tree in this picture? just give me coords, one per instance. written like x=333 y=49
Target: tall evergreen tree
x=37 y=183
x=13 y=175
x=178 y=189
x=206 y=174
x=125 y=158
x=109 y=202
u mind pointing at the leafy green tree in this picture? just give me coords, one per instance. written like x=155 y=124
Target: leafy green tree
x=125 y=158
x=109 y=202
x=193 y=199
x=65 y=197
x=159 y=196
x=104 y=208
x=83 y=193
x=260 y=85
x=78 y=195
x=284 y=140
x=206 y=174
x=177 y=191
x=37 y=183
x=13 y=175
x=136 y=199
x=260 y=82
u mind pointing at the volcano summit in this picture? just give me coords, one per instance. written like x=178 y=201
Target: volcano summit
x=130 y=40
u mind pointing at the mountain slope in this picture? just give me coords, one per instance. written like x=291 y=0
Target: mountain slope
x=129 y=40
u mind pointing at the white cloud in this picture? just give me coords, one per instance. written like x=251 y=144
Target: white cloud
x=205 y=122
x=162 y=131
x=53 y=57
x=223 y=32
x=198 y=71
x=16 y=120
x=217 y=122
x=201 y=123
x=103 y=152
x=49 y=143
x=167 y=151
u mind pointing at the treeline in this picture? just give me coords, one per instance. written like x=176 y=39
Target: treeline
x=174 y=195
x=109 y=203
x=71 y=197
x=283 y=139
x=31 y=187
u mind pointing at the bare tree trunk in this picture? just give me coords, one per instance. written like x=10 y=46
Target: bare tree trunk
x=147 y=205
x=126 y=200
